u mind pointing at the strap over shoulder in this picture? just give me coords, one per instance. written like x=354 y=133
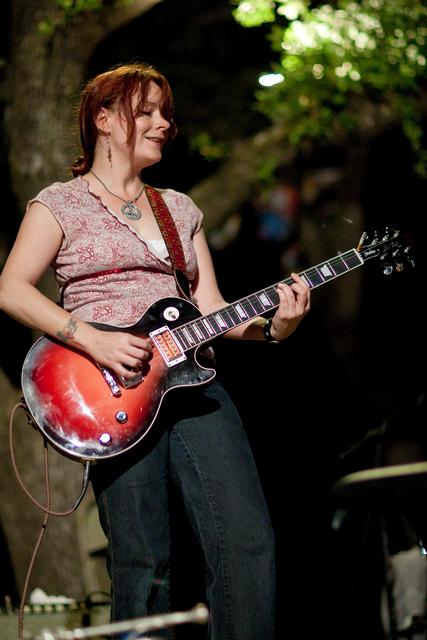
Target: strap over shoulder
x=171 y=237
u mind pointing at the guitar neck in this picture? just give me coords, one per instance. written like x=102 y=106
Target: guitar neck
x=206 y=328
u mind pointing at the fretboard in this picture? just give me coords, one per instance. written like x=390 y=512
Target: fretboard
x=206 y=328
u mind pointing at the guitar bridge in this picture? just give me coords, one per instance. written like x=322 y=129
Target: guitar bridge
x=110 y=380
x=168 y=347
x=128 y=383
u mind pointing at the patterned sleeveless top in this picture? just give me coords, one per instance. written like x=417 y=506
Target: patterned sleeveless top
x=96 y=239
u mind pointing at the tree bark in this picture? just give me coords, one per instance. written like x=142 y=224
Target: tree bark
x=43 y=83
x=44 y=80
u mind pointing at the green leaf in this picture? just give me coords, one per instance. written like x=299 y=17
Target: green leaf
x=253 y=13
x=331 y=53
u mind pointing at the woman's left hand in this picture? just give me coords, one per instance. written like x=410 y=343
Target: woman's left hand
x=293 y=306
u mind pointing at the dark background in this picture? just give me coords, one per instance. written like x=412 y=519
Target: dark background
x=312 y=413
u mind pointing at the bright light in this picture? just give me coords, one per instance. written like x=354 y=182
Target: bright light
x=246 y=7
x=318 y=71
x=270 y=79
x=291 y=10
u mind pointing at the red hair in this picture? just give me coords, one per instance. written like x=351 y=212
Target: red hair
x=117 y=87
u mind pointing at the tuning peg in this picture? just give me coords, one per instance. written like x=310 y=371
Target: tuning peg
x=362 y=241
x=388 y=270
x=390 y=232
x=408 y=258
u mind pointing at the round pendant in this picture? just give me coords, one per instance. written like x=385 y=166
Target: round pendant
x=131 y=211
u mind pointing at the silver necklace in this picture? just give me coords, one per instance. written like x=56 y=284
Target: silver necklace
x=129 y=208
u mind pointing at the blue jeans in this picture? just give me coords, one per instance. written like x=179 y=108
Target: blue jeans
x=199 y=443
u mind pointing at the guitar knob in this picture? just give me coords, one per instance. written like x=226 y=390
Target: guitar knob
x=121 y=416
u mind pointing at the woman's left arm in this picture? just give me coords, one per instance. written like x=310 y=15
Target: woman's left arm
x=293 y=306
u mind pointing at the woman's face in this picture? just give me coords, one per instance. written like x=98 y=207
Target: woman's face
x=145 y=148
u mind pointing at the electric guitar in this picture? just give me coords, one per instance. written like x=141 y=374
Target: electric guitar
x=88 y=413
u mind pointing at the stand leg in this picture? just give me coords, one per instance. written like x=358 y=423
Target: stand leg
x=389 y=579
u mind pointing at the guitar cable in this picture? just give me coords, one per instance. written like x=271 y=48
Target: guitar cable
x=44 y=508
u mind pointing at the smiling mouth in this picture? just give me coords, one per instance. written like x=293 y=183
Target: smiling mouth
x=153 y=139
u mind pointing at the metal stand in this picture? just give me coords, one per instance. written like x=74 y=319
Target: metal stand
x=378 y=488
x=134 y=628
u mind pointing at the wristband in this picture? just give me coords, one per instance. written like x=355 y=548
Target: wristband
x=267 y=332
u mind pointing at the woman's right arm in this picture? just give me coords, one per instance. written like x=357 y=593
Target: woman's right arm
x=37 y=243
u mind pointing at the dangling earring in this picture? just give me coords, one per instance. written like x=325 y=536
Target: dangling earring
x=109 y=154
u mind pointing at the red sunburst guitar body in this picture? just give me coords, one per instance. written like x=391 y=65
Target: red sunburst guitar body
x=88 y=414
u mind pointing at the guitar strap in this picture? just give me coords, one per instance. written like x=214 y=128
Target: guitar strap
x=173 y=243
x=171 y=237
x=172 y=240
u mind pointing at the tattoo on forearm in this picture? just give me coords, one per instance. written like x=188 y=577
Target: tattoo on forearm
x=69 y=330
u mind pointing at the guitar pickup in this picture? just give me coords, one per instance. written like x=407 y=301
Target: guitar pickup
x=169 y=348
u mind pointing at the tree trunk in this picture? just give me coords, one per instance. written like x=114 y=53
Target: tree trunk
x=44 y=80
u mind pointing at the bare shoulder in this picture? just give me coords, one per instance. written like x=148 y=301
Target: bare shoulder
x=40 y=228
x=35 y=207
x=38 y=213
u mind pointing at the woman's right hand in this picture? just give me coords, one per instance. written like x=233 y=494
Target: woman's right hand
x=120 y=351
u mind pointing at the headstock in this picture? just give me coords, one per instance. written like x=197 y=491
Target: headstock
x=393 y=254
